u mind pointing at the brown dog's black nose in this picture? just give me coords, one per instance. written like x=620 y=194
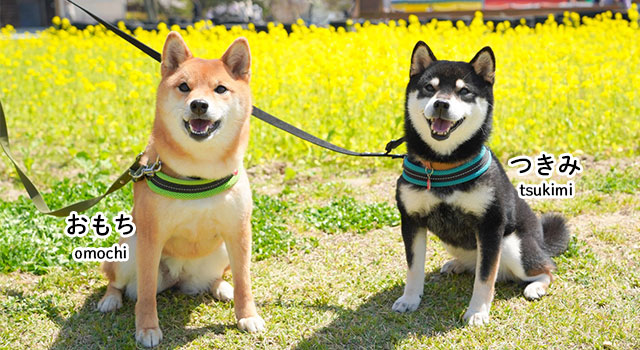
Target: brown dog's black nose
x=440 y=104
x=199 y=107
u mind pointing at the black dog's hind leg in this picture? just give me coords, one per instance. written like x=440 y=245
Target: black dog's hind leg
x=415 y=244
x=535 y=259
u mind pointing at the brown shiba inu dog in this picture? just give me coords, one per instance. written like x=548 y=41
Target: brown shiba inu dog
x=201 y=130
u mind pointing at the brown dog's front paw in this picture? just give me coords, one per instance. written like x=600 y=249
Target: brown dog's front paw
x=149 y=337
x=110 y=303
x=476 y=318
x=251 y=324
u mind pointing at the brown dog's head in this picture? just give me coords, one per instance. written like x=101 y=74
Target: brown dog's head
x=202 y=105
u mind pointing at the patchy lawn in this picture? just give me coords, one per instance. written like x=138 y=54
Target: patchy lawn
x=332 y=284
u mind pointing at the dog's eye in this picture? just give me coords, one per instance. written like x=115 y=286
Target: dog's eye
x=220 y=89
x=464 y=91
x=430 y=88
x=184 y=87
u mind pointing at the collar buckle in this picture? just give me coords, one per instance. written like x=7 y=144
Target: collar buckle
x=147 y=170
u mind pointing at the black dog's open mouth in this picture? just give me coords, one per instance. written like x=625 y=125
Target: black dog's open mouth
x=442 y=128
x=200 y=129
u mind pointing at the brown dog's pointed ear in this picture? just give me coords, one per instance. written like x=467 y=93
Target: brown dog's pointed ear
x=484 y=63
x=237 y=58
x=175 y=52
x=421 y=58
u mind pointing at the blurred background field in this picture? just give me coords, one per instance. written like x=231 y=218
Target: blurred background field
x=565 y=86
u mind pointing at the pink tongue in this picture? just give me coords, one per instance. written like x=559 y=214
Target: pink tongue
x=440 y=125
x=199 y=125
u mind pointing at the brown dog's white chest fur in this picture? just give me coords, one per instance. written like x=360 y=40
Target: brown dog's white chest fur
x=192 y=228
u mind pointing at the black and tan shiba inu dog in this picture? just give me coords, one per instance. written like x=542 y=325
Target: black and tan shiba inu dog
x=453 y=186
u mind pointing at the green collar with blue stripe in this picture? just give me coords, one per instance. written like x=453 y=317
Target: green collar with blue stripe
x=415 y=173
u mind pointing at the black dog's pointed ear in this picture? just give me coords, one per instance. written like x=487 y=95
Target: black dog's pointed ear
x=421 y=58
x=484 y=63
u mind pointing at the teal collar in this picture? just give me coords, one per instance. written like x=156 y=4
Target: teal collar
x=415 y=173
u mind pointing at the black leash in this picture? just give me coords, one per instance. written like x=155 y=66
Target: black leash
x=257 y=112
x=278 y=123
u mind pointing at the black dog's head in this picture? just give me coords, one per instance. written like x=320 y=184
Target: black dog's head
x=448 y=104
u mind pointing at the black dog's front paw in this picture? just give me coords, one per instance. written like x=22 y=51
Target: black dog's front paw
x=406 y=303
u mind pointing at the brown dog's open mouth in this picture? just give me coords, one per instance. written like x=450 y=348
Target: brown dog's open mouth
x=200 y=129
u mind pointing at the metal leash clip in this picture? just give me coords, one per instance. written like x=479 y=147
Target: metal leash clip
x=145 y=170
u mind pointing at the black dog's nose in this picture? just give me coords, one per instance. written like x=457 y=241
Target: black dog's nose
x=442 y=105
x=199 y=107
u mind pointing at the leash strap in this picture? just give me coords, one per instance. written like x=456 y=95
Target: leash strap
x=282 y=125
x=35 y=195
x=257 y=112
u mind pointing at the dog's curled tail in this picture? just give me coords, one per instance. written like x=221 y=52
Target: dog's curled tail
x=556 y=234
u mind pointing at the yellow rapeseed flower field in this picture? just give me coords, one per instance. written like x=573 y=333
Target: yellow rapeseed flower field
x=561 y=87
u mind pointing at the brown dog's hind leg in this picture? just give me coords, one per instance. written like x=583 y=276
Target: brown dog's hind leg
x=222 y=290
x=112 y=299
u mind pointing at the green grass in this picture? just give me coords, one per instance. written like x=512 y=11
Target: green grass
x=347 y=215
x=604 y=189
x=271 y=235
x=330 y=284
x=43 y=244
x=625 y=180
